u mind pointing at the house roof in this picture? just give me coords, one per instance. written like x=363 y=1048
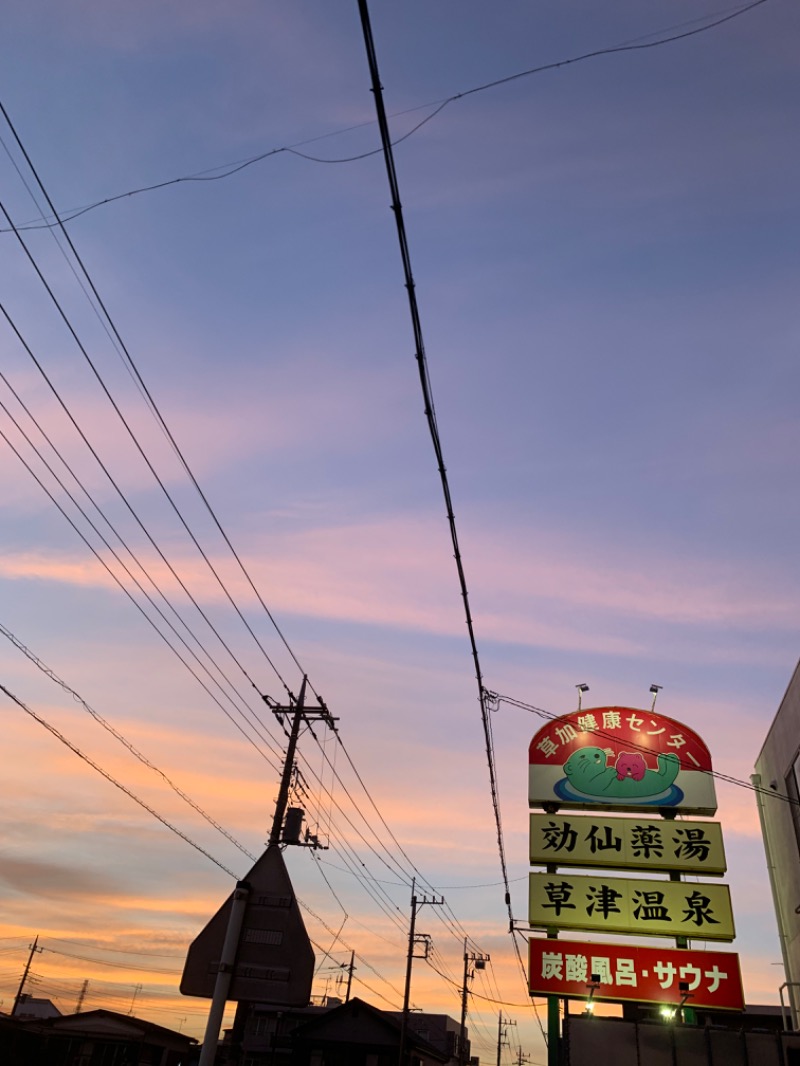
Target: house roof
x=103 y=1022
x=366 y=1018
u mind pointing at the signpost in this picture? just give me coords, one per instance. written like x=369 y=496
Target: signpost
x=625 y=759
x=273 y=961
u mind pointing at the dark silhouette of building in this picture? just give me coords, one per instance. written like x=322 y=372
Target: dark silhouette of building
x=93 y=1038
x=347 y=1034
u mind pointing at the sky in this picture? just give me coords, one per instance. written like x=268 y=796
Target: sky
x=605 y=256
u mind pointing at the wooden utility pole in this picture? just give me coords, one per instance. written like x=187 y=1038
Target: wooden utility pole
x=81 y=996
x=283 y=793
x=502 y=1035
x=479 y=964
x=21 y=988
x=413 y=938
x=239 y=900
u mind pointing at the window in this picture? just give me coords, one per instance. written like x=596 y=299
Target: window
x=263 y=1025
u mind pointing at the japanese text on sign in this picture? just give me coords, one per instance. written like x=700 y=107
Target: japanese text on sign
x=609 y=971
x=621 y=905
x=627 y=843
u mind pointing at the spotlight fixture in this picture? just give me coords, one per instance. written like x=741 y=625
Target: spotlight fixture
x=581 y=689
x=655 y=689
x=592 y=986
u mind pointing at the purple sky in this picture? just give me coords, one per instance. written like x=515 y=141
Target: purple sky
x=606 y=262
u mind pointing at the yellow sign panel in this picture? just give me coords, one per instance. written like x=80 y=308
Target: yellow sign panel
x=601 y=904
x=627 y=843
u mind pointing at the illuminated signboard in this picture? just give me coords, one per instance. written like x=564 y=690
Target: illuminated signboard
x=645 y=975
x=601 y=904
x=627 y=843
x=620 y=758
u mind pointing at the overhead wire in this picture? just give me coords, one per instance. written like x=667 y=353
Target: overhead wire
x=169 y=825
x=430 y=415
x=110 y=778
x=155 y=410
x=127 y=591
x=230 y=169
x=118 y=951
x=122 y=739
x=188 y=799
x=156 y=588
x=138 y=446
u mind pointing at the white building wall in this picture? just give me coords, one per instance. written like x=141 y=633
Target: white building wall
x=778 y=766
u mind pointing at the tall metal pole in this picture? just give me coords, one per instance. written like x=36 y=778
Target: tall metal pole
x=18 y=996
x=283 y=793
x=224 y=974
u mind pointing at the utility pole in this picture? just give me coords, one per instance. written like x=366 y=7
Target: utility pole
x=479 y=962
x=283 y=792
x=502 y=1034
x=18 y=996
x=136 y=990
x=350 y=969
x=297 y=709
x=522 y=1059
x=413 y=938
x=300 y=713
x=81 y=996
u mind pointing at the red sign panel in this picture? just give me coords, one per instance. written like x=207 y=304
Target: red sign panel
x=623 y=759
x=644 y=975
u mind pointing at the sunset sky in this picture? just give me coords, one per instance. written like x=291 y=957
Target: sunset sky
x=606 y=260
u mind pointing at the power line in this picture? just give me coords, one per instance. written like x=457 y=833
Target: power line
x=124 y=741
x=230 y=169
x=150 y=810
x=119 y=537
x=136 y=443
x=430 y=413
x=188 y=799
x=127 y=591
x=118 y=951
x=116 y=965
x=155 y=410
x=117 y=784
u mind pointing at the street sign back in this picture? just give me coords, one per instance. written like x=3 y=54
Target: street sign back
x=274 y=960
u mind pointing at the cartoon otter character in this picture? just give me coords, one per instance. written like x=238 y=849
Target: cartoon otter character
x=589 y=772
x=631 y=764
